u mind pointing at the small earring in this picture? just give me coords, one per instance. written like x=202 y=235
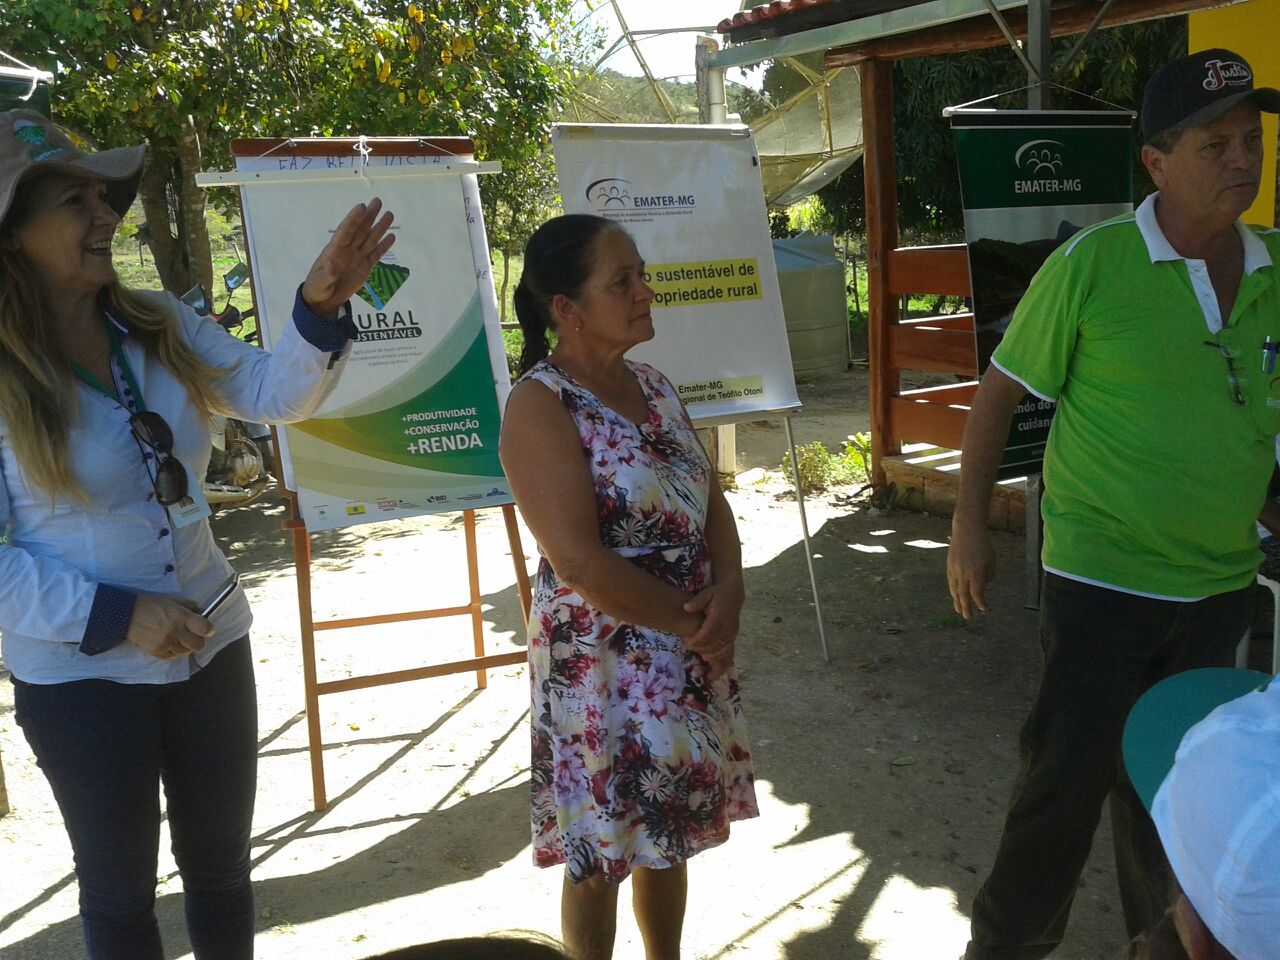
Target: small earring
x=578 y=326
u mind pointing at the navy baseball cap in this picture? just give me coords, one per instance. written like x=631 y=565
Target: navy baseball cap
x=1200 y=88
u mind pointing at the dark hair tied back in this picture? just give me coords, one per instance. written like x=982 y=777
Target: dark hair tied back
x=557 y=261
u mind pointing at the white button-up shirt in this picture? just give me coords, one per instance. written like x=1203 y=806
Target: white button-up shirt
x=59 y=553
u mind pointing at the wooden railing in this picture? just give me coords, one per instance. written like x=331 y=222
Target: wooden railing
x=933 y=344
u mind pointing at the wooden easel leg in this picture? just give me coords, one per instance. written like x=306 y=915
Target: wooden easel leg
x=517 y=558
x=473 y=576
x=302 y=564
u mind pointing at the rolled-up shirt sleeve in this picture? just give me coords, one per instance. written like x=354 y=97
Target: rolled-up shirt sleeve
x=285 y=385
x=321 y=333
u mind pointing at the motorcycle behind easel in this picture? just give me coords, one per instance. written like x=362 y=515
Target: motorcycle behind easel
x=238 y=470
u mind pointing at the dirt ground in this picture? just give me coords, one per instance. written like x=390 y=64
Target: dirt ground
x=882 y=775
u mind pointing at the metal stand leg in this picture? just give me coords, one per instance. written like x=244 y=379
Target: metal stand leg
x=1035 y=536
x=808 y=547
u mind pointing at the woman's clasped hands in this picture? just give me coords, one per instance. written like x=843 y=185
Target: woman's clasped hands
x=720 y=606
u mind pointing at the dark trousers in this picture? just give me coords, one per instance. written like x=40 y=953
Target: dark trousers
x=1103 y=649
x=106 y=747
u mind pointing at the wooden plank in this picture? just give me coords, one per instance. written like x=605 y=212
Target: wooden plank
x=881 y=192
x=978 y=33
x=422 y=673
x=377 y=618
x=945 y=321
x=919 y=421
x=956 y=394
x=941 y=351
x=941 y=270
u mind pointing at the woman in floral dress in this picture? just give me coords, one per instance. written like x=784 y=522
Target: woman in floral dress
x=640 y=755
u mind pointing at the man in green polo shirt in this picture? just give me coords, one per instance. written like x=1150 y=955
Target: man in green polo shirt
x=1156 y=336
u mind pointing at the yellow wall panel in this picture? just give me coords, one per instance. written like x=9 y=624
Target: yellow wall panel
x=1252 y=30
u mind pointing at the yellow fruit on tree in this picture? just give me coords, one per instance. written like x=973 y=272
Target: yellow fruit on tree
x=422 y=96
x=446 y=56
x=136 y=13
x=111 y=61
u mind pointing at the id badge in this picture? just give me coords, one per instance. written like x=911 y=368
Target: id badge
x=192 y=508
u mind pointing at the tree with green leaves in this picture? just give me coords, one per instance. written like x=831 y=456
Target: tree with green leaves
x=187 y=77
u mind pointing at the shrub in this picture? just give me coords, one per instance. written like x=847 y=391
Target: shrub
x=821 y=469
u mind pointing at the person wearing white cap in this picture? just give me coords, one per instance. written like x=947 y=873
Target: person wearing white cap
x=1203 y=752
x=105 y=548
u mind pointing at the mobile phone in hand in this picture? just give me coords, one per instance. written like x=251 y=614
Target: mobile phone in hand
x=224 y=593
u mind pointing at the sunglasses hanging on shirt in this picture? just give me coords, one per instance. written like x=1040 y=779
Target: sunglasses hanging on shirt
x=169 y=479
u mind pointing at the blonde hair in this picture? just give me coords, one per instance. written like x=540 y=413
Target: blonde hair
x=37 y=396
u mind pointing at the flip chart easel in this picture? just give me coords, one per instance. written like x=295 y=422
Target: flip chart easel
x=294 y=164
x=314 y=688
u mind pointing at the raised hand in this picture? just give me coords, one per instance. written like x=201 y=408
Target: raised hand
x=357 y=244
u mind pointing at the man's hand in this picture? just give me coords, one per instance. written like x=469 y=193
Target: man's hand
x=356 y=246
x=971 y=563
x=167 y=628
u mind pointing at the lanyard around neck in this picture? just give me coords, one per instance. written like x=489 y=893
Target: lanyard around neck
x=123 y=362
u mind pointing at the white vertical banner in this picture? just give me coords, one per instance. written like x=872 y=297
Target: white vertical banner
x=413 y=424
x=692 y=199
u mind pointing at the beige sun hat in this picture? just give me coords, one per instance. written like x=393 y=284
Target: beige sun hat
x=30 y=143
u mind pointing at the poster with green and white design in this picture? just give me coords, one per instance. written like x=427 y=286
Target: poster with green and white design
x=1029 y=180
x=413 y=424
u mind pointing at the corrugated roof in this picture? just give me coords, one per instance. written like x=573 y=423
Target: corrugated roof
x=767 y=11
x=780 y=17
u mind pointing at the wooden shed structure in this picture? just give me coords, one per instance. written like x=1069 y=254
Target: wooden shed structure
x=870 y=35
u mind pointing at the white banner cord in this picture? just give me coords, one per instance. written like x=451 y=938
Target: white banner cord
x=36 y=75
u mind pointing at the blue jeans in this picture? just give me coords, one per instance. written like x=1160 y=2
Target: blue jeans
x=1103 y=650
x=106 y=747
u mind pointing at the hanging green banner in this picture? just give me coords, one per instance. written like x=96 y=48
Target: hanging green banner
x=1029 y=179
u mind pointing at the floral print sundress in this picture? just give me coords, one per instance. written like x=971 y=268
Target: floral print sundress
x=639 y=760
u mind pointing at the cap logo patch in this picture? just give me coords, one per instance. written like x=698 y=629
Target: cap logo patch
x=28 y=132
x=1222 y=73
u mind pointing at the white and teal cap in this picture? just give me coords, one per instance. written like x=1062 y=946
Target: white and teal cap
x=1203 y=751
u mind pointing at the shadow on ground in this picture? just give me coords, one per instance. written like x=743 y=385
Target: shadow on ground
x=904 y=742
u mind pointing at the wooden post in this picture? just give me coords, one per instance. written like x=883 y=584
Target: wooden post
x=306 y=624
x=473 y=583
x=4 y=792
x=882 y=239
x=517 y=558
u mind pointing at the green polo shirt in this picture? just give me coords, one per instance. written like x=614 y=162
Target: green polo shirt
x=1154 y=473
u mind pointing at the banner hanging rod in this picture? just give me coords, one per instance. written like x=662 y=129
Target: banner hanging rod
x=240 y=178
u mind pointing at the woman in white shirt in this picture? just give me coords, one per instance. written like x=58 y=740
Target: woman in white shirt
x=105 y=548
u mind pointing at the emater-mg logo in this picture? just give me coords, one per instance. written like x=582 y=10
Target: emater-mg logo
x=1040 y=162
x=610 y=193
